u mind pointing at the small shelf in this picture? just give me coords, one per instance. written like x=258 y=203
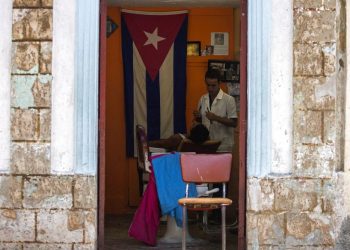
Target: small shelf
x=201 y=59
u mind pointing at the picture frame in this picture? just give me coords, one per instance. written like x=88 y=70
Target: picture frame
x=220 y=41
x=229 y=70
x=193 y=48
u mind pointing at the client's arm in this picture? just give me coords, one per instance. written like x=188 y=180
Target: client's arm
x=170 y=143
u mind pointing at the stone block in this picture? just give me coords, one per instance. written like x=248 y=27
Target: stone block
x=45 y=124
x=12 y=246
x=84 y=246
x=265 y=229
x=252 y=228
x=90 y=235
x=315 y=26
x=308 y=60
x=314 y=93
x=330 y=4
x=30 y=158
x=39 y=246
x=53 y=227
x=314 y=160
x=26 y=3
x=21 y=91
x=271 y=229
x=10 y=191
x=48 y=192
x=314 y=4
x=260 y=194
x=309 y=229
x=329 y=56
x=46 y=3
x=308 y=127
x=85 y=192
x=24 y=124
x=25 y=57
x=76 y=220
x=30 y=91
x=45 y=58
x=329 y=127
x=17 y=225
x=297 y=195
x=41 y=91
x=329 y=195
x=32 y=24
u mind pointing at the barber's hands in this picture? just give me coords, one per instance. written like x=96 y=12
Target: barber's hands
x=211 y=116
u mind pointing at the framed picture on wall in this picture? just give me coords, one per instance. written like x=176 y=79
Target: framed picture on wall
x=229 y=70
x=193 y=48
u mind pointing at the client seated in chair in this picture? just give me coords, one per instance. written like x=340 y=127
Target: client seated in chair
x=197 y=141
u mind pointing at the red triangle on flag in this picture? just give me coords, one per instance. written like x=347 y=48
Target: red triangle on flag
x=153 y=34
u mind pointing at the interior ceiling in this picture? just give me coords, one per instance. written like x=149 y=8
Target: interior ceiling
x=174 y=3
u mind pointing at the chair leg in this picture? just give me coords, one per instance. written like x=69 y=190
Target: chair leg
x=184 y=218
x=205 y=220
x=223 y=227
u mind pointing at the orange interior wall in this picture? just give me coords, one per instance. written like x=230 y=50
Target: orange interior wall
x=121 y=174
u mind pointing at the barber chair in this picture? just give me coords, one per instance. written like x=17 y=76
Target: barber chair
x=208 y=147
x=173 y=232
x=143 y=156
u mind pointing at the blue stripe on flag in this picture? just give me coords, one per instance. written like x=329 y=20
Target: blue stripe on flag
x=153 y=107
x=180 y=56
x=127 y=50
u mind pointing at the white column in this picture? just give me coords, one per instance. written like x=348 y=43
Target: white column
x=86 y=86
x=75 y=87
x=63 y=69
x=270 y=104
x=259 y=115
x=282 y=86
x=5 y=83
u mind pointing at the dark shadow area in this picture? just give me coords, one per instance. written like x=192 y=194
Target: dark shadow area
x=116 y=236
x=343 y=241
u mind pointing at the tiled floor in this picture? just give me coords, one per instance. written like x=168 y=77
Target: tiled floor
x=116 y=236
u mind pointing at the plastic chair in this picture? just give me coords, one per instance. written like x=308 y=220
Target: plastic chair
x=205 y=168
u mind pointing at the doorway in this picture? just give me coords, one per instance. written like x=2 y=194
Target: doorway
x=118 y=178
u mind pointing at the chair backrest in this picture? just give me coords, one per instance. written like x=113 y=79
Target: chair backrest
x=142 y=146
x=206 y=168
x=208 y=147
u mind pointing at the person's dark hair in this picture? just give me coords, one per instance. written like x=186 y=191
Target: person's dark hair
x=199 y=134
x=213 y=73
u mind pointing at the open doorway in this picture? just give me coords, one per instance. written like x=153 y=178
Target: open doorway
x=119 y=190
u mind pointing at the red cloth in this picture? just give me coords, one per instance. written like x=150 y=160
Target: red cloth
x=144 y=225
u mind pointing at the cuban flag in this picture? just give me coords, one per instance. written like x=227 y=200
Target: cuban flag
x=154 y=58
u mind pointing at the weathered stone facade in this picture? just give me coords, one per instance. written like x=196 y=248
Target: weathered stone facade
x=305 y=209
x=39 y=210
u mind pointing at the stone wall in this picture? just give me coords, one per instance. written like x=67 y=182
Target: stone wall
x=305 y=210
x=39 y=210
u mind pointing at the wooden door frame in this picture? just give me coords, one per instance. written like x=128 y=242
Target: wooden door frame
x=102 y=126
x=242 y=127
x=242 y=179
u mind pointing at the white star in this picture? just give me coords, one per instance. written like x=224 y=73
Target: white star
x=153 y=38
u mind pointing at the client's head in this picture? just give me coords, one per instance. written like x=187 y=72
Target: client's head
x=199 y=134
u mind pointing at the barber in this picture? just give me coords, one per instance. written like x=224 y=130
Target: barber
x=217 y=111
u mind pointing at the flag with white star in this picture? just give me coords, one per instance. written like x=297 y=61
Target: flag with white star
x=154 y=59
